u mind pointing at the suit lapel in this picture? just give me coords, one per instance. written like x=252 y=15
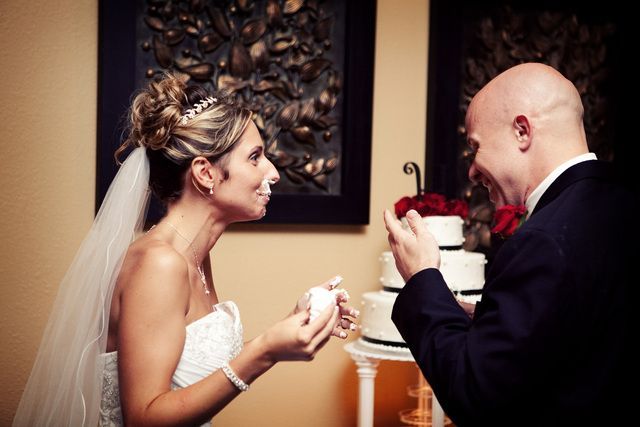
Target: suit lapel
x=582 y=170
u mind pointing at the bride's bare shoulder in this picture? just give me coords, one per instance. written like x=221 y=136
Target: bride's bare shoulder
x=148 y=253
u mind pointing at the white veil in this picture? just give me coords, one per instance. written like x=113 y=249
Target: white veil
x=65 y=385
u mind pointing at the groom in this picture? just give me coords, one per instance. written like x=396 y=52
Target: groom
x=548 y=343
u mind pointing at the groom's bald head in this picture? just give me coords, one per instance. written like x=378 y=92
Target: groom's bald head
x=523 y=124
x=538 y=92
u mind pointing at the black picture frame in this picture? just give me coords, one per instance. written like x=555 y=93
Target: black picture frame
x=116 y=71
x=451 y=22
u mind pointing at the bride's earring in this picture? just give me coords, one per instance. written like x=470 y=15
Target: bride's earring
x=197 y=187
x=211 y=189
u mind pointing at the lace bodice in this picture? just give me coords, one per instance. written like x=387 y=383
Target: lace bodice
x=210 y=342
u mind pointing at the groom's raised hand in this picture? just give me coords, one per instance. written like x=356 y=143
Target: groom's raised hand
x=413 y=250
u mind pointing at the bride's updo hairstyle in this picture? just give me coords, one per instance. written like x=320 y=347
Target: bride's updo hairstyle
x=160 y=122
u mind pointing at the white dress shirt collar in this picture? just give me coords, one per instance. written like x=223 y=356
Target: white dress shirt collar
x=535 y=195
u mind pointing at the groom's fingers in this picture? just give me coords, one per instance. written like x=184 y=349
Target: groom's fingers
x=389 y=223
x=392 y=225
x=415 y=222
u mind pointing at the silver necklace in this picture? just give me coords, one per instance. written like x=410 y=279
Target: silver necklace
x=203 y=279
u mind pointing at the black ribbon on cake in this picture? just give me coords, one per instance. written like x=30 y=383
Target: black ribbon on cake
x=383 y=342
x=468 y=292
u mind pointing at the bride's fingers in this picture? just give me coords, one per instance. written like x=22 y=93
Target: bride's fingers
x=323 y=335
x=343 y=324
x=316 y=326
x=342 y=296
x=349 y=311
x=331 y=283
x=347 y=324
x=303 y=303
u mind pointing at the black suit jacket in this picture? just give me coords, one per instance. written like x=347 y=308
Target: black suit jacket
x=549 y=342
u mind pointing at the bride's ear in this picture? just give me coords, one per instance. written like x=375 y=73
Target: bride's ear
x=204 y=175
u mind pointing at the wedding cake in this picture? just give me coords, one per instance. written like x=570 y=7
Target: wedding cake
x=463 y=272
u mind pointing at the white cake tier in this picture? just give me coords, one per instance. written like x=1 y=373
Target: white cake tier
x=461 y=270
x=447 y=230
x=375 y=317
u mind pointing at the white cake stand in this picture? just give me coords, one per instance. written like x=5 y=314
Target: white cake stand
x=367 y=358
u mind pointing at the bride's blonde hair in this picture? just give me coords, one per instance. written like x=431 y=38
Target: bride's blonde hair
x=156 y=122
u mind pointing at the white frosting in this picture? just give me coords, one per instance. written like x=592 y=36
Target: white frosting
x=392 y=352
x=265 y=187
x=390 y=276
x=320 y=298
x=461 y=270
x=376 y=316
x=335 y=282
x=470 y=299
x=447 y=230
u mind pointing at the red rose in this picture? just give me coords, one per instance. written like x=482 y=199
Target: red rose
x=403 y=206
x=457 y=207
x=507 y=220
x=433 y=204
x=429 y=204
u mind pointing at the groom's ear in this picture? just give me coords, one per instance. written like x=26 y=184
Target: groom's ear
x=523 y=131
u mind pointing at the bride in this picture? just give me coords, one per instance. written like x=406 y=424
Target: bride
x=137 y=334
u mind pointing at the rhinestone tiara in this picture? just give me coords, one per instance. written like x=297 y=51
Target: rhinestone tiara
x=197 y=108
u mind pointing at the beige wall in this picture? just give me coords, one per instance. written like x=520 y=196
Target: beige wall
x=48 y=81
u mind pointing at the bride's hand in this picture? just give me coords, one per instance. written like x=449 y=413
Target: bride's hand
x=344 y=323
x=297 y=338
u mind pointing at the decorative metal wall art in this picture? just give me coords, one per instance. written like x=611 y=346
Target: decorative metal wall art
x=470 y=43
x=280 y=59
x=287 y=61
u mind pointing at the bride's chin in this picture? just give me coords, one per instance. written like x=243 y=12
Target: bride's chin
x=261 y=214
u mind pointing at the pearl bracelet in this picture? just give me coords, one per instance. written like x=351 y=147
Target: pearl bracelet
x=241 y=385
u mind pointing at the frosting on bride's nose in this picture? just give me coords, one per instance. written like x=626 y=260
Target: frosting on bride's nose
x=265 y=187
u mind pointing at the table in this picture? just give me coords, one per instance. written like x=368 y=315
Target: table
x=367 y=359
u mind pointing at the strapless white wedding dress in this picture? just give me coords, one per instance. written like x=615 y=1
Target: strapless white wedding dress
x=210 y=342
